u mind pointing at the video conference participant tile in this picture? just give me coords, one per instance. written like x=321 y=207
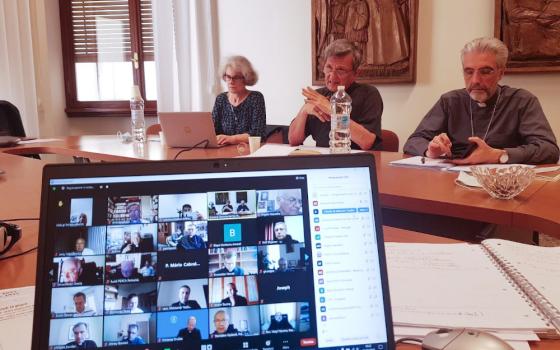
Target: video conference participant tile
x=69 y=333
x=76 y=241
x=279 y=202
x=74 y=212
x=126 y=239
x=129 y=329
x=78 y=271
x=77 y=302
x=234 y=291
x=180 y=265
x=131 y=268
x=130 y=298
x=182 y=235
x=186 y=326
x=285 y=318
x=225 y=205
x=186 y=206
x=234 y=321
x=281 y=258
x=182 y=294
x=285 y=287
x=232 y=233
x=132 y=210
x=232 y=261
x=280 y=229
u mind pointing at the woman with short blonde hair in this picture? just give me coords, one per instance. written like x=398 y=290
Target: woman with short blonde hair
x=239 y=112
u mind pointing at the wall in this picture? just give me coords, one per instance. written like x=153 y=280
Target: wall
x=276 y=37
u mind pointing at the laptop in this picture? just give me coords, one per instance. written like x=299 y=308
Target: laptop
x=248 y=253
x=188 y=129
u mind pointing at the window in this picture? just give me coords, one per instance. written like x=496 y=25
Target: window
x=107 y=46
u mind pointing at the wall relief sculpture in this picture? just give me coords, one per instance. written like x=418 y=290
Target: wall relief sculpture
x=385 y=31
x=531 y=31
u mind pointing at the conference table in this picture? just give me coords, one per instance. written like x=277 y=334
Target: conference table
x=425 y=191
x=20 y=188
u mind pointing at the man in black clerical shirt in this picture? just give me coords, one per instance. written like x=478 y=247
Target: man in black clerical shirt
x=191 y=335
x=184 y=302
x=81 y=334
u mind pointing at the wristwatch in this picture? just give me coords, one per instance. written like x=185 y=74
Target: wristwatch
x=504 y=157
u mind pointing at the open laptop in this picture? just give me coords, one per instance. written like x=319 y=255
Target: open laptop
x=252 y=253
x=188 y=129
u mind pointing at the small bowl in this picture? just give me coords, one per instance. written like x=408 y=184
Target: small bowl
x=503 y=183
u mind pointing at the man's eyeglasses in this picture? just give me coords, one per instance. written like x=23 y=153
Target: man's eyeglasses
x=9 y=235
x=484 y=72
x=338 y=71
x=228 y=78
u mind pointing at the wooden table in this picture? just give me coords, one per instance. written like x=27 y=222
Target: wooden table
x=409 y=189
x=20 y=189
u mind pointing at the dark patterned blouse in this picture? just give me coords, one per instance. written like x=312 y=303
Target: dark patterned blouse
x=249 y=117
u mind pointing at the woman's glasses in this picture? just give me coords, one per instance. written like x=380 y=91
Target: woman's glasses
x=228 y=78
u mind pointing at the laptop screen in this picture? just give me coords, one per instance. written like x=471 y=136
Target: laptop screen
x=212 y=259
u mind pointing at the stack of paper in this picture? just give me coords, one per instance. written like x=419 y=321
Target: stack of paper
x=16 y=317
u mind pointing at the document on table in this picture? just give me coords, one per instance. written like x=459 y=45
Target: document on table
x=274 y=149
x=422 y=162
x=16 y=317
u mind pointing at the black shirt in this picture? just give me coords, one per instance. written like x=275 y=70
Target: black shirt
x=367 y=107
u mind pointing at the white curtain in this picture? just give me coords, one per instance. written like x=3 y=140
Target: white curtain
x=17 y=74
x=186 y=54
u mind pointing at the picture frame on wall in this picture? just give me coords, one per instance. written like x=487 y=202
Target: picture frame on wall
x=384 y=30
x=531 y=31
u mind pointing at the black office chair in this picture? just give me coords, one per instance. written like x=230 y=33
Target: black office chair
x=277 y=134
x=10 y=120
x=11 y=124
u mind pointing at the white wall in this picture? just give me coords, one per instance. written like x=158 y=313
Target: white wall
x=276 y=36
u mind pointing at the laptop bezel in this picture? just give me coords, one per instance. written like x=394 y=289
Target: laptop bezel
x=43 y=283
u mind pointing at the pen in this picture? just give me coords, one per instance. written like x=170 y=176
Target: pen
x=423 y=160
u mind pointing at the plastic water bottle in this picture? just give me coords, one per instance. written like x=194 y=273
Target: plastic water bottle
x=339 y=137
x=137 y=115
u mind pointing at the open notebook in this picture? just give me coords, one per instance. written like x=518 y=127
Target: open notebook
x=496 y=285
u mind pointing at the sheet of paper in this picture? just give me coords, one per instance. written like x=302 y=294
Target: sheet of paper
x=23 y=142
x=277 y=149
x=16 y=317
x=422 y=162
x=467 y=179
x=454 y=285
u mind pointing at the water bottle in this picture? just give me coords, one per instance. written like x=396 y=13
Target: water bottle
x=339 y=137
x=137 y=115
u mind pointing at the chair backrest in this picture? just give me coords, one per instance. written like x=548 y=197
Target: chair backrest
x=277 y=134
x=390 y=141
x=10 y=120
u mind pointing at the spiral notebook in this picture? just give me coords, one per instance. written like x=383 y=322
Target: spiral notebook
x=496 y=285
